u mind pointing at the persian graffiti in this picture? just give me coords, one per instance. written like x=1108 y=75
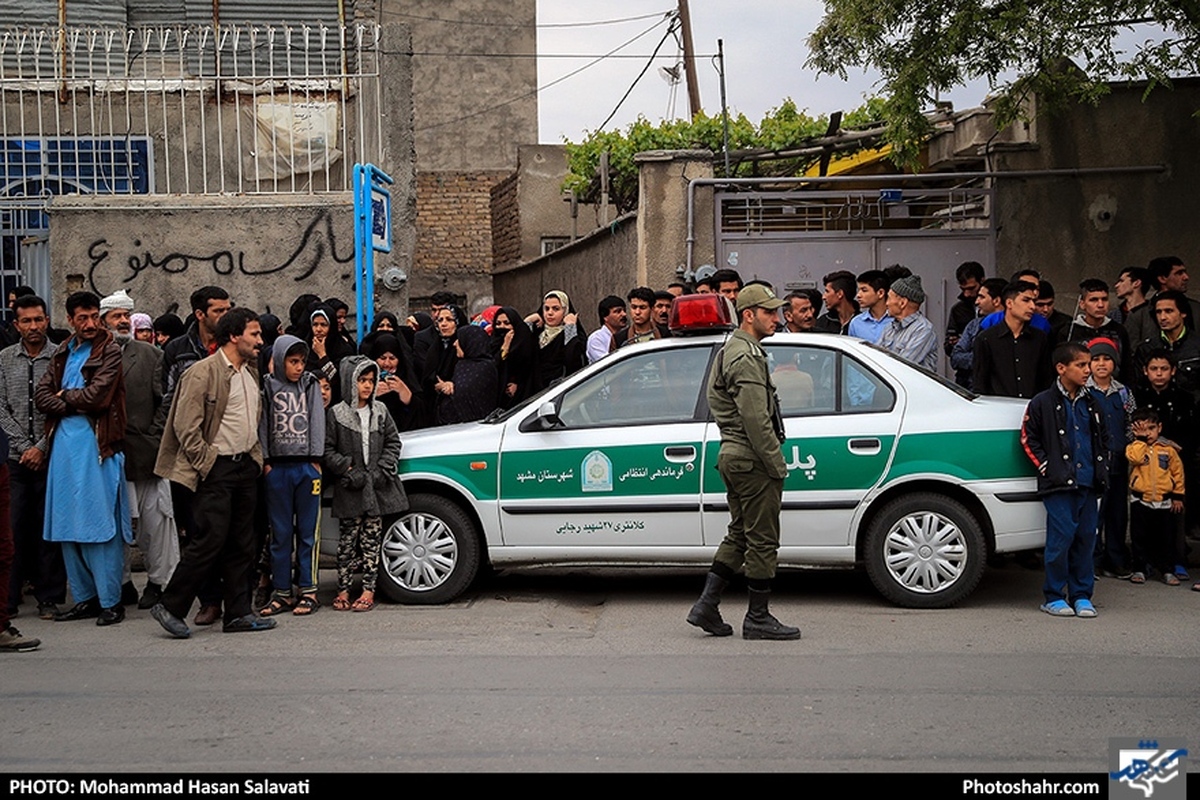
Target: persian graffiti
x=317 y=245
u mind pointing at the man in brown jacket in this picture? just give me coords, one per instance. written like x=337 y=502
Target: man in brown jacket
x=82 y=395
x=210 y=445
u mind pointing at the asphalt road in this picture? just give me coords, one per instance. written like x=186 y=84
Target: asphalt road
x=562 y=670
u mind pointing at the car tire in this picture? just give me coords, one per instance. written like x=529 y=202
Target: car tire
x=430 y=554
x=925 y=550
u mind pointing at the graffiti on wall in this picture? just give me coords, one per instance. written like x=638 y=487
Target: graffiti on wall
x=316 y=245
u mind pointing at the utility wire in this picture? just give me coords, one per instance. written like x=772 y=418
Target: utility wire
x=668 y=18
x=667 y=35
x=392 y=13
x=540 y=55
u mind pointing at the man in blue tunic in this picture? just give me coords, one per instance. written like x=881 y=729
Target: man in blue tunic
x=82 y=395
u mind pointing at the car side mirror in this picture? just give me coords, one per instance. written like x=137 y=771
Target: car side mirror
x=547 y=416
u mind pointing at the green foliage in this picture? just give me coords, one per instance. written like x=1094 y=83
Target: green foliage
x=782 y=128
x=1021 y=47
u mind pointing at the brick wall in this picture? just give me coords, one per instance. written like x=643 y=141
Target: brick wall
x=454 y=229
x=506 y=223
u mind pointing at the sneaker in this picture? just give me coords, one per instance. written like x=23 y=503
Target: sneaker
x=1084 y=608
x=11 y=641
x=1169 y=579
x=1121 y=574
x=1058 y=608
x=1182 y=573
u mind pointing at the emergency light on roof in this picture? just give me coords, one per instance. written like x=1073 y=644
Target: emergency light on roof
x=700 y=313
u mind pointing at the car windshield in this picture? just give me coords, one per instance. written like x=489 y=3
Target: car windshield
x=966 y=394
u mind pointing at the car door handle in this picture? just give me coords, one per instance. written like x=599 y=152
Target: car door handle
x=680 y=454
x=865 y=447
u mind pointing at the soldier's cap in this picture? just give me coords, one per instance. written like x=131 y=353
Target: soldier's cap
x=757 y=295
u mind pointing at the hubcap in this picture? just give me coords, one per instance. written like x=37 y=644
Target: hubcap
x=419 y=552
x=925 y=552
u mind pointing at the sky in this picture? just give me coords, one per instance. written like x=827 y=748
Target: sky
x=765 y=51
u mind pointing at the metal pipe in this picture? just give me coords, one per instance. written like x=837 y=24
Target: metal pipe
x=901 y=178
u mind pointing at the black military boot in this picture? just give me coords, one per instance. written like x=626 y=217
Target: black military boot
x=759 y=624
x=705 y=614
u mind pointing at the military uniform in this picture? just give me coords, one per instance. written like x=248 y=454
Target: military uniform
x=746 y=409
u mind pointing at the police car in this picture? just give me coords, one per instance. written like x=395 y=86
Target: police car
x=889 y=467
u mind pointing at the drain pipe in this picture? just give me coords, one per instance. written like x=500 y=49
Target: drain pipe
x=905 y=178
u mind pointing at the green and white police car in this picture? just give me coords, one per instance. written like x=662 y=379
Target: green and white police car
x=889 y=467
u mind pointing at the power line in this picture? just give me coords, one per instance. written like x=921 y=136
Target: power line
x=667 y=35
x=546 y=55
x=393 y=13
x=554 y=82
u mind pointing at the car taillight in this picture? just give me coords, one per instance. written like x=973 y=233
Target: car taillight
x=700 y=313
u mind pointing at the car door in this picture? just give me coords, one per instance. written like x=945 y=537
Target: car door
x=841 y=420
x=621 y=464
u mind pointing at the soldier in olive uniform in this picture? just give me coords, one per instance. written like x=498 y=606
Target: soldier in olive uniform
x=743 y=402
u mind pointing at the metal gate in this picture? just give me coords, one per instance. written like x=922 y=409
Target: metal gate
x=793 y=238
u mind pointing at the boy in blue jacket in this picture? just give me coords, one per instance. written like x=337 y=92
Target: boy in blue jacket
x=1065 y=437
x=291 y=431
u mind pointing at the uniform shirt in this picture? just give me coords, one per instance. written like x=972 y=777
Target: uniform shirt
x=238 y=431
x=743 y=403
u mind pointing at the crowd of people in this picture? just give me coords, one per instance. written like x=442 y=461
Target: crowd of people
x=211 y=440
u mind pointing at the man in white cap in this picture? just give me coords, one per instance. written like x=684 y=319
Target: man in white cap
x=910 y=335
x=149 y=495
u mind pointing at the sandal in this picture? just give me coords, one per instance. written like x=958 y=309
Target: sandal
x=364 y=603
x=1138 y=577
x=306 y=605
x=278 y=605
x=341 y=602
x=1196 y=587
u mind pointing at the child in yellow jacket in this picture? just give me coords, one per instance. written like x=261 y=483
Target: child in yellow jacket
x=1156 y=493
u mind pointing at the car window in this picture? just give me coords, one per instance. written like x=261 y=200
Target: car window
x=805 y=378
x=650 y=388
x=862 y=390
x=815 y=380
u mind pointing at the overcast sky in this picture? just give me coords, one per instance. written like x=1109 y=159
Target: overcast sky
x=765 y=53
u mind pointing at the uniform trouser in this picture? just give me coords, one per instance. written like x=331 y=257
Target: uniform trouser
x=33 y=557
x=294 y=506
x=157 y=537
x=1071 y=519
x=221 y=539
x=359 y=542
x=6 y=547
x=755 y=498
x=94 y=570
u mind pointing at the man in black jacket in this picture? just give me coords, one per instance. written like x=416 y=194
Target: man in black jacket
x=1065 y=437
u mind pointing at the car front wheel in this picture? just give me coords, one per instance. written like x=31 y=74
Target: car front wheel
x=430 y=554
x=925 y=550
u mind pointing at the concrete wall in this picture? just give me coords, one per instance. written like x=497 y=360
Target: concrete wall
x=264 y=251
x=1076 y=227
x=466 y=115
x=601 y=263
x=662 y=214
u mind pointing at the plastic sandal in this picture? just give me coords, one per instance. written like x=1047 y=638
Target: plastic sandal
x=278 y=605
x=306 y=605
x=1058 y=608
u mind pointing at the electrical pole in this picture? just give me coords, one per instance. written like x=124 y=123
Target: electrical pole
x=689 y=60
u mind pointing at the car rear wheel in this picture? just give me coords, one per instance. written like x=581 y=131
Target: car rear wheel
x=925 y=550
x=430 y=554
